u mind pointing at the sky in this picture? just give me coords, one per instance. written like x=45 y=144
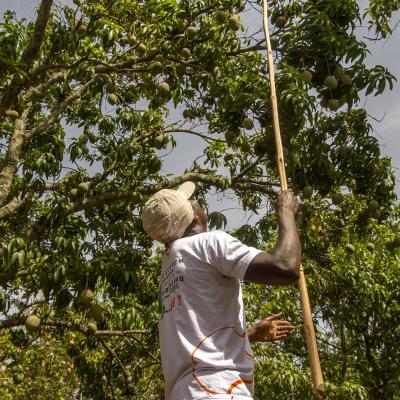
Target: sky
x=384 y=108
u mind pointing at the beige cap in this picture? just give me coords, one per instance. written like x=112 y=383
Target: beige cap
x=168 y=213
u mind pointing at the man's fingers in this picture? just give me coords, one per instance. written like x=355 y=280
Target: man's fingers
x=282 y=334
x=280 y=337
x=285 y=332
x=275 y=316
x=285 y=326
x=279 y=323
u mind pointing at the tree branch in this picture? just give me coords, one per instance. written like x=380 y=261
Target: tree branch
x=244 y=171
x=20 y=136
x=255 y=47
x=29 y=54
x=120 y=333
x=113 y=355
x=14 y=149
x=18 y=320
x=206 y=138
x=36 y=91
x=87 y=203
x=146 y=349
x=14 y=204
x=74 y=95
x=33 y=47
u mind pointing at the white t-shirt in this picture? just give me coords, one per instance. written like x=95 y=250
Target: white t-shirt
x=204 y=346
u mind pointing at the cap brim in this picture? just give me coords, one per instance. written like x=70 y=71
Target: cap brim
x=187 y=188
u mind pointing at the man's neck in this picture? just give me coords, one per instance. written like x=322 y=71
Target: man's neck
x=193 y=230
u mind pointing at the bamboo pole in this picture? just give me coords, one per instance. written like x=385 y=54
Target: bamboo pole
x=309 y=331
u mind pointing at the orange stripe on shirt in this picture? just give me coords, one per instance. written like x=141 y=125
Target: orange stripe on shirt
x=239 y=381
x=203 y=387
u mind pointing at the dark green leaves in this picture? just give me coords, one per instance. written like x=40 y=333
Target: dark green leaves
x=216 y=220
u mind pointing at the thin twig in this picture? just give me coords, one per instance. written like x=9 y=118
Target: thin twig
x=247 y=169
x=206 y=138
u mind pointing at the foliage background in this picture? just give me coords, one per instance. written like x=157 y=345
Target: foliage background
x=77 y=165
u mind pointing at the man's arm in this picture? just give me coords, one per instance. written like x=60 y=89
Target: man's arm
x=281 y=266
x=270 y=329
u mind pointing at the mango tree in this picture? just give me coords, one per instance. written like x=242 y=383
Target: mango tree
x=95 y=95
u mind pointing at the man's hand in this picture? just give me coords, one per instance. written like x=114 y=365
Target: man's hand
x=270 y=329
x=287 y=201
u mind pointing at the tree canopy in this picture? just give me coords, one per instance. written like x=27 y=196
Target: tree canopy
x=96 y=96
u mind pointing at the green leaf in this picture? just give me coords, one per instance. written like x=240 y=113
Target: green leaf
x=21 y=258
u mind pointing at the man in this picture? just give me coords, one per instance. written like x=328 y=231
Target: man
x=205 y=350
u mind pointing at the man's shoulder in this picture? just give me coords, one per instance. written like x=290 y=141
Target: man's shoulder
x=206 y=235
x=215 y=235
x=204 y=239
x=216 y=239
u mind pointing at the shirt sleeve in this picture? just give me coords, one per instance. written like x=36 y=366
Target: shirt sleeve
x=229 y=255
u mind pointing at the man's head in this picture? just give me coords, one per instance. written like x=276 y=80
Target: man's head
x=168 y=213
x=200 y=219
